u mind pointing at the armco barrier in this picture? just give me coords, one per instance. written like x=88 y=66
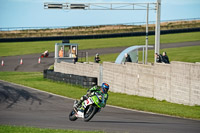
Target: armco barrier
x=84 y=81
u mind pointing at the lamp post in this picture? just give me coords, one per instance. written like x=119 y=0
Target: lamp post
x=147 y=25
x=157 y=29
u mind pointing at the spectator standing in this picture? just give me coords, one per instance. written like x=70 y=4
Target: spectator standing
x=97 y=58
x=61 y=52
x=74 y=55
x=127 y=58
x=158 y=58
x=74 y=52
x=165 y=58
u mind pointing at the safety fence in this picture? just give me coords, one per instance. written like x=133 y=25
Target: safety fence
x=83 y=81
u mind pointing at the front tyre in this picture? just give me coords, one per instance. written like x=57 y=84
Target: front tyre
x=90 y=111
x=72 y=116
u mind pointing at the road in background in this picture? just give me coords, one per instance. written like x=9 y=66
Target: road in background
x=23 y=106
x=30 y=62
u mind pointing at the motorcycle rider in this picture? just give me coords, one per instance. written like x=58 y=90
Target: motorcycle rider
x=100 y=91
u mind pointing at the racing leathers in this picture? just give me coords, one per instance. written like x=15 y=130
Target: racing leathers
x=91 y=92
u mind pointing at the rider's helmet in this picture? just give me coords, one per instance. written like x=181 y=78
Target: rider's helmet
x=105 y=87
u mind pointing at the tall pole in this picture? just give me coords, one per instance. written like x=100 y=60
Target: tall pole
x=147 y=25
x=157 y=30
x=117 y=6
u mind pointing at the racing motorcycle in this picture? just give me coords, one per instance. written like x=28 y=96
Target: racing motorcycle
x=91 y=108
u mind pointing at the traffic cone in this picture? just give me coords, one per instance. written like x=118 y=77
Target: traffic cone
x=2 y=63
x=39 y=60
x=21 y=62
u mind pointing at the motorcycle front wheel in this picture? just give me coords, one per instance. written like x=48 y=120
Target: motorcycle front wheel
x=90 y=111
x=72 y=116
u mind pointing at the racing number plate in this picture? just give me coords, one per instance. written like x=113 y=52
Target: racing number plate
x=88 y=101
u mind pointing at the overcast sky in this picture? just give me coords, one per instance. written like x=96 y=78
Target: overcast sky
x=31 y=13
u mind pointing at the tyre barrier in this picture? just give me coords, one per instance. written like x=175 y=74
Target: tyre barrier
x=83 y=81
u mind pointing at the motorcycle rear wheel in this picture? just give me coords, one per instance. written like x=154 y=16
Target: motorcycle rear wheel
x=90 y=111
x=72 y=116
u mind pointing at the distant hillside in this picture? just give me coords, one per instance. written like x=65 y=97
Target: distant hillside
x=93 y=30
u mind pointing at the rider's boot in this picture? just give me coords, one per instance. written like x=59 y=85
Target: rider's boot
x=78 y=103
x=80 y=112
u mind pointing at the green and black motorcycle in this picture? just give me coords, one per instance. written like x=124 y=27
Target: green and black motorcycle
x=90 y=106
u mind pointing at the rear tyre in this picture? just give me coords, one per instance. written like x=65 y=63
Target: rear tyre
x=72 y=116
x=90 y=111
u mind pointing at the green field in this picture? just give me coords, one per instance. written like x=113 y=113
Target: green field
x=94 y=30
x=20 y=129
x=21 y=48
x=35 y=80
x=184 y=54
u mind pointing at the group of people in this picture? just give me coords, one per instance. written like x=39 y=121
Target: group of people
x=159 y=58
x=71 y=54
x=127 y=58
x=162 y=58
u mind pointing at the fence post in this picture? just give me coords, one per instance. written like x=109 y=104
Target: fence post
x=100 y=75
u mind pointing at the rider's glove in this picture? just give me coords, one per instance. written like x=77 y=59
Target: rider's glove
x=102 y=104
x=92 y=93
x=89 y=93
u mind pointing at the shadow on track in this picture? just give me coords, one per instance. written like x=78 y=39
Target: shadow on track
x=125 y=122
x=10 y=96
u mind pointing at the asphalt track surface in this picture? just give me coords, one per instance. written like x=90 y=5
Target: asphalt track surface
x=24 y=106
x=30 y=62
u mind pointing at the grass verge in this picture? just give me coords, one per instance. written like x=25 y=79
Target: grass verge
x=22 y=48
x=20 y=129
x=35 y=80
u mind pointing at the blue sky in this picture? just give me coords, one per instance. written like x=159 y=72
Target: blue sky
x=30 y=13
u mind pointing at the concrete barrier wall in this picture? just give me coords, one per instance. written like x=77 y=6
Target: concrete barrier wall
x=177 y=82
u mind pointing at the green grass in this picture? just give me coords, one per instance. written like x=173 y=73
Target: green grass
x=20 y=129
x=35 y=80
x=21 y=48
x=138 y=40
x=93 y=30
x=184 y=54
